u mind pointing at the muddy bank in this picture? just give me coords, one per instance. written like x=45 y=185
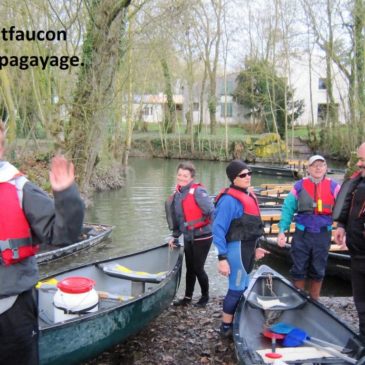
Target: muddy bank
x=189 y=336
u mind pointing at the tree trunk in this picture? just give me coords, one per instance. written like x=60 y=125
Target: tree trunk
x=201 y=101
x=94 y=95
x=169 y=114
x=10 y=106
x=359 y=25
x=129 y=131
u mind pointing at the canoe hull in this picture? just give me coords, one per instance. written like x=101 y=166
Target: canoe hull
x=296 y=309
x=276 y=170
x=78 y=340
x=100 y=233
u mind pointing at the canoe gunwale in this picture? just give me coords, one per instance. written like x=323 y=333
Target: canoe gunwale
x=86 y=317
x=247 y=355
x=63 y=251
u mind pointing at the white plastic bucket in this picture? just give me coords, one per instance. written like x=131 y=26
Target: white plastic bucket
x=75 y=296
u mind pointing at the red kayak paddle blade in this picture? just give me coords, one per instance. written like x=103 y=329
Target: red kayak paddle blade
x=271 y=335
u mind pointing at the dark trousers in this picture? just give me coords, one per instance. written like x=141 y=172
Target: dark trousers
x=358 y=290
x=309 y=253
x=19 y=332
x=196 y=253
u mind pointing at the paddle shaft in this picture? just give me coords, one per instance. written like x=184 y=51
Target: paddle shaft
x=325 y=343
x=101 y=294
x=331 y=351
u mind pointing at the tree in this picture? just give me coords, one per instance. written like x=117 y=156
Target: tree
x=94 y=95
x=254 y=90
x=210 y=16
x=339 y=32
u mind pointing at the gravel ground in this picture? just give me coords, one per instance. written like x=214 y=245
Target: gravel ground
x=188 y=336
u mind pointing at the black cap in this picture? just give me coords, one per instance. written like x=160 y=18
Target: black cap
x=234 y=168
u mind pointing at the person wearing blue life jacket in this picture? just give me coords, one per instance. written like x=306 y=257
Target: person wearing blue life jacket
x=29 y=218
x=310 y=203
x=237 y=226
x=189 y=213
x=349 y=213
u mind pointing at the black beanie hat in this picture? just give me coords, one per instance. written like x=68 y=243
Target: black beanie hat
x=234 y=168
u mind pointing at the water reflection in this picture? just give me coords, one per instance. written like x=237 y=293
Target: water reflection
x=137 y=212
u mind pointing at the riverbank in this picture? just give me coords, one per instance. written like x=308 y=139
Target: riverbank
x=189 y=336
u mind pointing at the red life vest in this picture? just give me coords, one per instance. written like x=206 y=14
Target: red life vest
x=318 y=198
x=15 y=234
x=249 y=226
x=193 y=215
x=248 y=201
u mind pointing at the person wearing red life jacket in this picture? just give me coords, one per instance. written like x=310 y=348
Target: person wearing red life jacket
x=28 y=218
x=189 y=213
x=349 y=213
x=310 y=202
x=237 y=226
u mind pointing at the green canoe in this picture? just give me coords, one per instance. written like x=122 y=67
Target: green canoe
x=132 y=291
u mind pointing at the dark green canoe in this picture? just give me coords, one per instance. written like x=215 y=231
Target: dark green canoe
x=136 y=288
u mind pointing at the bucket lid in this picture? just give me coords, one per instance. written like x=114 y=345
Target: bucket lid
x=76 y=285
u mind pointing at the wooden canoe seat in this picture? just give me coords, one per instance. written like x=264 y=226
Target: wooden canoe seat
x=288 y=187
x=120 y=271
x=271 y=217
x=274 y=228
x=274 y=193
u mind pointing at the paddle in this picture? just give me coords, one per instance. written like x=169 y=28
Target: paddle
x=51 y=285
x=297 y=337
x=285 y=328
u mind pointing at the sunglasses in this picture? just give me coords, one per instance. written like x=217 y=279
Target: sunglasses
x=242 y=176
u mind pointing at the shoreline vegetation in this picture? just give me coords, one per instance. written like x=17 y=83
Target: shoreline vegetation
x=32 y=156
x=189 y=336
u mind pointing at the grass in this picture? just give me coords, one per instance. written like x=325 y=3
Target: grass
x=234 y=133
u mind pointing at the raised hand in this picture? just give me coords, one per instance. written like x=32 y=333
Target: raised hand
x=62 y=173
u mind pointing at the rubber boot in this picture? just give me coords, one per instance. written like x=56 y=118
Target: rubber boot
x=299 y=284
x=315 y=289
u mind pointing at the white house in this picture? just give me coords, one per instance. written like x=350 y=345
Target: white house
x=307 y=77
x=151 y=108
x=308 y=80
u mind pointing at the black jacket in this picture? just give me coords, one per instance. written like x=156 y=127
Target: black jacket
x=349 y=212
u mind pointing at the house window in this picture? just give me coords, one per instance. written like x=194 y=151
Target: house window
x=321 y=112
x=228 y=88
x=147 y=110
x=322 y=84
x=195 y=107
x=227 y=110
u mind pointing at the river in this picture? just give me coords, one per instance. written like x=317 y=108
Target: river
x=137 y=212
